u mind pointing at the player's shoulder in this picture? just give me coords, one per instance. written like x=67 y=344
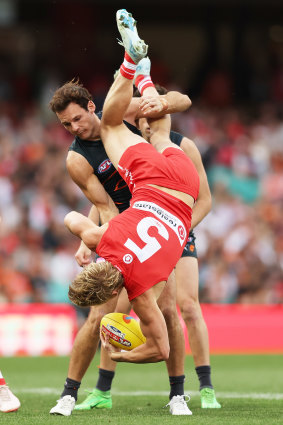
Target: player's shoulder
x=189 y=146
x=176 y=137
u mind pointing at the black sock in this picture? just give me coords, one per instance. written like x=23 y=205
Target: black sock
x=177 y=385
x=105 y=379
x=71 y=388
x=204 y=377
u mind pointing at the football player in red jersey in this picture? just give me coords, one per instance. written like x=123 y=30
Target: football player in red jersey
x=161 y=201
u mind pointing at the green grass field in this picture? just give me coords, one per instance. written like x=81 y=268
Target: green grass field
x=250 y=389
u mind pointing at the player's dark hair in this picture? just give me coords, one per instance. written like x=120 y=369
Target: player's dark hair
x=161 y=90
x=70 y=92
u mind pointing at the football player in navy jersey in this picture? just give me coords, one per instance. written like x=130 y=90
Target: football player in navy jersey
x=186 y=270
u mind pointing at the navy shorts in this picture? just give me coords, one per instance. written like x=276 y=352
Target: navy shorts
x=190 y=247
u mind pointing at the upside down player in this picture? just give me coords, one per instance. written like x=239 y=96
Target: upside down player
x=157 y=206
x=72 y=104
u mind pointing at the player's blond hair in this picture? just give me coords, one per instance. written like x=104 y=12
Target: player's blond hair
x=95 y=284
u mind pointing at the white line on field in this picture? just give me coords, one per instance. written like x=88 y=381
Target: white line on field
x=255 y=396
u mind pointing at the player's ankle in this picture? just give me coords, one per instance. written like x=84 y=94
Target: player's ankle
x=71 y=388
x=128 y=67
x=143 y=82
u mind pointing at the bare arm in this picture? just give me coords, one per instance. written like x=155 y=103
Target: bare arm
x=203 y=203
x=82 y=174
x=83 y=254
x=153 y=326
x=103 y=208
x=84 y=228
x=139 y=107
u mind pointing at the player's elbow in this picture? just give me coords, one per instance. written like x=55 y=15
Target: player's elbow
x=162 y=352
x=184 y=103
x=69 y=219
x=187 y=102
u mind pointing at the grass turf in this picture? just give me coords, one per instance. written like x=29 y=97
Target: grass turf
x=248 y=387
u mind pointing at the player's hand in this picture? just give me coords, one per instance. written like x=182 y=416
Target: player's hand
x=83 y=255
x=106 y=344
x=151 y=105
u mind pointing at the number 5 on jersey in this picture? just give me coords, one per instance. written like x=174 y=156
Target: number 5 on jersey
x=151 y=243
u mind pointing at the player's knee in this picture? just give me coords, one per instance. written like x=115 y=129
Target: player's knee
x=190 y=310
x=94 y=319
x=170 y=314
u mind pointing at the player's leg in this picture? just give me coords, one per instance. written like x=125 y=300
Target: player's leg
x=115 y=135
x=186 y=272
x=83 y=351
x=8 y=401
x=167 y=304
x=175 y=363
x=160 y=128
x=160 y=133
x=100 y=396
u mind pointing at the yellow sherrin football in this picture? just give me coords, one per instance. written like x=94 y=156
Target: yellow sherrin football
x=124 y=331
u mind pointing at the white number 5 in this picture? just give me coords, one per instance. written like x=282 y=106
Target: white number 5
x=151 y=243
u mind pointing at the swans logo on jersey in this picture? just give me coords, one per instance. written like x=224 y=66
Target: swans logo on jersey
x=182 y=232
x=104 y=166
x=128 y=258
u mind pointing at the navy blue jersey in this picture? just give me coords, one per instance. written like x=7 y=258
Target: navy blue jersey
x=176 y=137
x=95 y=154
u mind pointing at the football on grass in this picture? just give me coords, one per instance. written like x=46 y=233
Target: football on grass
x=124 y=331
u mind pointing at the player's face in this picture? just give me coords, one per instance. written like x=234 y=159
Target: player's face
x=78 y=121
x=144 y=128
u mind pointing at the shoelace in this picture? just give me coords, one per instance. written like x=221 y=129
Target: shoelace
x=4 y=393
x=182 y=399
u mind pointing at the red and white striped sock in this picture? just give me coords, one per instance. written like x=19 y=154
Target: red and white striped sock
x=143 y=82
x=2 y=380
x=128 y=67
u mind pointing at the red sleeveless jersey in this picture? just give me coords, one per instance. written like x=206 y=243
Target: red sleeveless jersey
x=146 y=241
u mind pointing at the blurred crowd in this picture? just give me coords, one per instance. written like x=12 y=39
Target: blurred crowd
x=240 y=243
